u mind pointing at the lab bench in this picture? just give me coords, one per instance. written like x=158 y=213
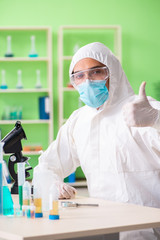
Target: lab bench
x=108 y=219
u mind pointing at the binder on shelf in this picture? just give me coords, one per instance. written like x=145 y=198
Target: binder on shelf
x=72 y=177
x=44 y=107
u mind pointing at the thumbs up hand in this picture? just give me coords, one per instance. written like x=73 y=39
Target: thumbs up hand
x=140 y=113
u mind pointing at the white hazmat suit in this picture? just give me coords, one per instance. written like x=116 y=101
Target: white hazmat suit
x=121 y=163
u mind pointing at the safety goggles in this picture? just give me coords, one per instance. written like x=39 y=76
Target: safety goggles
x=97 y=73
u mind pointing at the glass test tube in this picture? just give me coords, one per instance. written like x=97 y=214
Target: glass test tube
x=37 y=201
x=53 y=203
x=21 y=180
x=26 y=193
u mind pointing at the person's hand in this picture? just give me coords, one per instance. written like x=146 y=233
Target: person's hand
x=140 y=113
x=65 y=190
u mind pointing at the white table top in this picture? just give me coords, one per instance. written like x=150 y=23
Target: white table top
x=109 y=217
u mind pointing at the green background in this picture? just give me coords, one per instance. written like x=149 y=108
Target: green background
x=139 y=20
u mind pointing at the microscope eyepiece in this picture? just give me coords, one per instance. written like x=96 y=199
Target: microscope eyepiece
x=18 y=124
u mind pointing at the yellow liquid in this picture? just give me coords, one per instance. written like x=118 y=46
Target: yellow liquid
x=38 y=205
x=54 y=210
x=26 y=202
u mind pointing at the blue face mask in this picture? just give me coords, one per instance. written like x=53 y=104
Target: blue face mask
x=93 y=93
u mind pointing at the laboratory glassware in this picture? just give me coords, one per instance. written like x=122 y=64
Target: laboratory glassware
x=21 y=180
x=3 y=82
x=37 y=200
x=9 y=51
x=1 y=178
x=18 y=211
x=7 y=199
x=33 y=52
x=19 y=80
x=53 y=203
x=32 y=209
x=38 y=82
x=6 y=202
x=6 y=172
x=26 y=193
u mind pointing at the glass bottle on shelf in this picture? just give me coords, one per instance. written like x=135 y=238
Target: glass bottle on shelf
x=19 y=80
x=38 y=82
x=33 y=52
x=3 y=81
x=9 y=52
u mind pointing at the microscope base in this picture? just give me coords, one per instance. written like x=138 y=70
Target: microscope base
x=14 y=189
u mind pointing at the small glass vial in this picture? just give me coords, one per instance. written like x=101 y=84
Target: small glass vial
x=24 y=209
x=53 y=203
x=32 y=211
x=38 y=201
x=18 y=211
x=28 y=212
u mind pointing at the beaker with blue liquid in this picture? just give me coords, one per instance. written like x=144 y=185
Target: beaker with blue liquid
x=6 y=202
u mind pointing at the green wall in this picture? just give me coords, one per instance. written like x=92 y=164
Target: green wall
x=140 y=31
x=139 y=20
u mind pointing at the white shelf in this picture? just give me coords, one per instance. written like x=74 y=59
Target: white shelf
x=32 y=153
x=24 y=28
x=25 y=90
x=115 y=27
x=24 y=59
x=67 y=57
x=27 y=153
x=69 y=89
x=25 y=121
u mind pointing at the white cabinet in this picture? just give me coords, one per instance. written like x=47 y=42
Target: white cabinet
x=70 y=39
x=37 y=130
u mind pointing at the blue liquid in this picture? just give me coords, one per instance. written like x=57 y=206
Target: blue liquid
x=3 y=86
x=33 y=55
x=1 y=191
x=9 y=55
x=72 y=177
x=28 y=213
x=7 y=202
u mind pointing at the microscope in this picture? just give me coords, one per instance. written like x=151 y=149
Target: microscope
x=12 y=144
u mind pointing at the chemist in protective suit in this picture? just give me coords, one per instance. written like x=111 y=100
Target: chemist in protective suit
x=115 y=137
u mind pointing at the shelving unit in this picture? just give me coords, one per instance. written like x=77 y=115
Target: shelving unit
x=30 y=90
x=24 y=59
x=114 y=43
x=28 y=93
